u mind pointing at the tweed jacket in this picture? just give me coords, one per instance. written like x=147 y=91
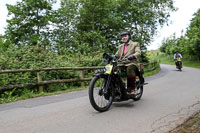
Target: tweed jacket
x=133 y=49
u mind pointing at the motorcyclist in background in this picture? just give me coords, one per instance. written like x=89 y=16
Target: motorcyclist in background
x=176 y=56
x=131 y=51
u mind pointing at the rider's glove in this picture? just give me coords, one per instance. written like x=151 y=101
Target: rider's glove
x=131 y=57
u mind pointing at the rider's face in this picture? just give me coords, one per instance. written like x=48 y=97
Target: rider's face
x=125 y=38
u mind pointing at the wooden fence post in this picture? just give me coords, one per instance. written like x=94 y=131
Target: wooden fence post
x=82 y=76
x=39 y=80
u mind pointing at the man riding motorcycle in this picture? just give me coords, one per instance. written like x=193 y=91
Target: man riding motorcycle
x=176 y=56
x=131 y=51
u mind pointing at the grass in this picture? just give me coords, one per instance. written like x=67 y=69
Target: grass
x=30 y=94
x=193 y=64
x=146 y=74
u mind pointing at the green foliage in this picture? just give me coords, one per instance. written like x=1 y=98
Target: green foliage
x=193 y=35
x=30 y=57
x=64 y=20
x=85 y=22
x=163 y=58
x=100 y=18
x=98 y=23
x=150 y=73
x=4 y=44
x=170 y=45
x=29 y=23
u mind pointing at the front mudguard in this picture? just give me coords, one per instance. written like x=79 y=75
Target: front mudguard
x=179 y=64
x=102 y=75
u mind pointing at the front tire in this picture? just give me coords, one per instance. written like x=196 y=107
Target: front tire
x=99 y=99
x=179 y=66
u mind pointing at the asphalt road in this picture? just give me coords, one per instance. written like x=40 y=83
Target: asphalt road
x=169 y=99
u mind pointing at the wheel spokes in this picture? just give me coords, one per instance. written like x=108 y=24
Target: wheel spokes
x=99 y=95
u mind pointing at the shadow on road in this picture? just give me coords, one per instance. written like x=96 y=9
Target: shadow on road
x=127 y=104
x=177 y=70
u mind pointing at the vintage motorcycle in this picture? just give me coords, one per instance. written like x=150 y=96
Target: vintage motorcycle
x=110 y=85
x=178 y=64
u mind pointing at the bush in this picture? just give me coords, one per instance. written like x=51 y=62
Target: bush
x=32 y=57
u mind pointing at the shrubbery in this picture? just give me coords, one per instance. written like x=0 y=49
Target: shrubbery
x=32 y=57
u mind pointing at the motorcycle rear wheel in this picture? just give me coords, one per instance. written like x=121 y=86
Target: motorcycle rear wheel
x=139 y=92
x=99 y=99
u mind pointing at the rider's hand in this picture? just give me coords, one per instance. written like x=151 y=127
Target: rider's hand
x=131 y=57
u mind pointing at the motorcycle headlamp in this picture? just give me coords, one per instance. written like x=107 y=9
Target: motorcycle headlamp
x=107 y=58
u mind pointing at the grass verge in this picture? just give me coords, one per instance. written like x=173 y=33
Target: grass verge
x=29 y=94
x=192 y=125
x=146 y=74
x=167 y=59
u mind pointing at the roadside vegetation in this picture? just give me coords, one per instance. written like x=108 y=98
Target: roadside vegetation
x=9 y=96
x=168 y=59
x=192 y=125
x=155 y=71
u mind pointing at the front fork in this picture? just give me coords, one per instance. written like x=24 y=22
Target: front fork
x=112 y=85
x=107 y=84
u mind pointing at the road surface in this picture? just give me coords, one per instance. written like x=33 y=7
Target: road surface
x=169 y=99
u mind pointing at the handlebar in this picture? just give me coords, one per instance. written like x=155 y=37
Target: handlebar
x=109 y=58
x=124 y=59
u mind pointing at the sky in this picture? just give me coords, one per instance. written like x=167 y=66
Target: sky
x=178 y=21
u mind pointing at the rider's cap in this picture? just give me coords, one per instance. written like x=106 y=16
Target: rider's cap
x=125 y=32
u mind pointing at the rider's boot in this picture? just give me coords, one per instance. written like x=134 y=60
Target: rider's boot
x=131 y=83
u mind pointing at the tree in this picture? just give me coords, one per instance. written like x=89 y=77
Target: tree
x=30 y=22
x=89 y=23
x=140 y=17
x=170 y=45
x=98 y=23
x=4 y=44
x=193 y=35
x=64 y=20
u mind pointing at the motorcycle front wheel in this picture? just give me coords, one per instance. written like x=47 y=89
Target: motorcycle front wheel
x=180 y=66
x=100 y=99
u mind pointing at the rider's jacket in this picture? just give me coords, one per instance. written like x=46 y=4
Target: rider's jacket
x=177 y=55
x=132 y=49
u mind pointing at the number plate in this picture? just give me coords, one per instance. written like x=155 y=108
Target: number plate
x=179 y=59
x=108 y=69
